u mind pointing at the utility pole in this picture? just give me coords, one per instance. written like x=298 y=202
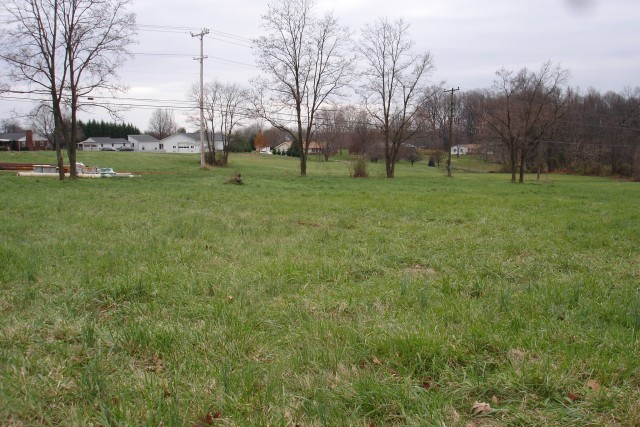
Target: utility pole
x=202 y=33
x=450 y=131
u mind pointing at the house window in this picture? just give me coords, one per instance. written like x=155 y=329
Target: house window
x=161 y=146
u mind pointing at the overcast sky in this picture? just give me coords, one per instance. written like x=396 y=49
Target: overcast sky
x=598 y=41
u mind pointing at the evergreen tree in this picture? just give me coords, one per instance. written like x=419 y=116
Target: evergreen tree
x=294 y=150
x=108 y=129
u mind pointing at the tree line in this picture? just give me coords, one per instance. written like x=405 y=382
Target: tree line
x=312 y=69
x=528 y=120
x=93 y=128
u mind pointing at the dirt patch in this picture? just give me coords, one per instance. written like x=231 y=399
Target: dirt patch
x=308 y=224
x=420 y=270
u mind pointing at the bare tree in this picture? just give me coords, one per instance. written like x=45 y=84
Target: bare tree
x=275 y=136
x=97 y=34
x=224 y=109
x=305 y=62
x=394 y=80
x=362 y=134
x=211 y=94
x=31 y=46
x=65 y=50
x=435 y=111
x=525 y=107
x=42 y=122
x=11 y=126
x=330 y=133
x=162 y=123
x=231 y=112
x=410 y=153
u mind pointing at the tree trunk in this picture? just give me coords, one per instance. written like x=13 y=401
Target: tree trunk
x=389 y=168
x=523 y=157
x=58 y=136
x=539 y=161
x=389 y=160
x=303 y=163
x=57 y=141
x=71 y=146
x=513 y=155
x=300 y=141
x=636 y=165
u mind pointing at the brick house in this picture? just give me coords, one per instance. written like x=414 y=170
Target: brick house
x=24 y=141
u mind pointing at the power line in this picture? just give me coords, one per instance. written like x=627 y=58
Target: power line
x=161 y=54
x=216 y=35
x=233 y=36
x=227 y=41
x=231 y=61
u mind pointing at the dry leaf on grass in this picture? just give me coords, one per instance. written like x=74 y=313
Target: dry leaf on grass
x=420 y=270
x=452 y=415
x=592 y=385
x=480 y=408
x=207 y=420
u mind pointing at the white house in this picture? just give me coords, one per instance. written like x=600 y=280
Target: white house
x=98 y=143
x=459 y=149
x=283 y=147
x=188 y=142
x=145 y=143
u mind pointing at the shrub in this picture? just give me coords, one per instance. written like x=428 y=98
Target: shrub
x=294 y=150
x=235 y=179
x=359 y=167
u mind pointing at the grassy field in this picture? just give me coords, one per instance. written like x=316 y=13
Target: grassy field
x=177 y=299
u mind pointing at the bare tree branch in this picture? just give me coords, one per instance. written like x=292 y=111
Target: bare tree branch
x=305 y=62
x=394 y=81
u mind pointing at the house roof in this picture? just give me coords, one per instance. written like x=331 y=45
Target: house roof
x=14 y=136
x=190 y=137
x=106 y=140
x=142 y=138
x=193 y=136
x=285 y=144
x=20 y=136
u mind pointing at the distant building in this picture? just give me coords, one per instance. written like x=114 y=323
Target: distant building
x=318 y=147
x=103 y=143
x=459 y=149
x=315 y=147
x=146 y=143
x=283 y=147
x=188 y=142
x=26 y=140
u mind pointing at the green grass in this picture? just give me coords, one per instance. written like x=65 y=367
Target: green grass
x=472 y=164
x=322 y=300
